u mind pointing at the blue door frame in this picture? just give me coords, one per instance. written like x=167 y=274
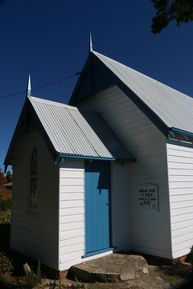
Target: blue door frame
x=97 y=206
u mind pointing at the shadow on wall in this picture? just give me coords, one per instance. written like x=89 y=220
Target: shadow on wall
x=4 y=237
x=103 y=183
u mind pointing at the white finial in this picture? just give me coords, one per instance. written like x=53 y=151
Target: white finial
x=90 y=43
x=29 y=87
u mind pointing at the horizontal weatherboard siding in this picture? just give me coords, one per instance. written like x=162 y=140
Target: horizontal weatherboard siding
x=31 y=230
x=180 y=174
x=143 y=230
x=71 y=213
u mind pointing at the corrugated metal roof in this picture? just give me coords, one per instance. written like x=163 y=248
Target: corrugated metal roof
x=174 y=108
x=69 y=132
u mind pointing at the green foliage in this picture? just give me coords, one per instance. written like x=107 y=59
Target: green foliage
x=38 y=272
x=5 y=204
x=5 y=216
x=5 y=198
x=5 y=263
x=33 y=278
x=180 y=11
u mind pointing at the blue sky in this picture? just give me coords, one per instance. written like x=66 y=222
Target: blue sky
x=49 y=40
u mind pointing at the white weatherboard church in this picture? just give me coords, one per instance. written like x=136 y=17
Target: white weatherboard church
x=111 y=171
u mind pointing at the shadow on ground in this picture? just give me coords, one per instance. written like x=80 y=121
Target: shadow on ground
x=164 y=268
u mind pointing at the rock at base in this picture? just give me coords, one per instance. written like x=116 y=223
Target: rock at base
x=111 y=268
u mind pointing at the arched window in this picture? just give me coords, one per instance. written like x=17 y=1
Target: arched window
x=33 y=179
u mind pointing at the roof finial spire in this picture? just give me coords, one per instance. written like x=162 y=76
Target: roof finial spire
x=90 y=43
x=28 y=92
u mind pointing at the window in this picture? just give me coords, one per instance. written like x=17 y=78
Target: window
x=33 y=179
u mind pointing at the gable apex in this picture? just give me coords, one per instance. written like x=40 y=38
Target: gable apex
x=166 y=107
x=68 y=132
x=27 y=120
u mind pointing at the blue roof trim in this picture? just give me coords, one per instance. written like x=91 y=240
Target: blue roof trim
x=68 y=156
x=29 y=116
x=26 y=110
x=180 y=143
x=182 y=132
x=93 y=78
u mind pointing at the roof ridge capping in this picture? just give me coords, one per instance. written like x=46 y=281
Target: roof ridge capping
x=33 y=99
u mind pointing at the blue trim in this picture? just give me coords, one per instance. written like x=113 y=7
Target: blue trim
x=182 y=132
x=180 y=143
x=93 y=73
x=29 y=112
x=97 y=252
x=68 y=156
x=102 y=78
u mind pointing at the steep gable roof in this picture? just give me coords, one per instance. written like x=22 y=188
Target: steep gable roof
x=168 y=108
x=68 y=133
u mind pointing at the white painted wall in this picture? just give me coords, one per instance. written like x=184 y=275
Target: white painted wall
x=35 y=233
x=121 y=237
x=147 y=229
x=180 y=172
x=71 y=213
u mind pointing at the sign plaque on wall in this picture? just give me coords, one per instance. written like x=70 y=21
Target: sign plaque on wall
x=148 y=196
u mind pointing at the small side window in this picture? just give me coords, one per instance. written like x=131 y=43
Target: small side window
x=33 y=179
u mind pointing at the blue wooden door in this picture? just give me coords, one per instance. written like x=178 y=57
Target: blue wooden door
x=97 y=189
